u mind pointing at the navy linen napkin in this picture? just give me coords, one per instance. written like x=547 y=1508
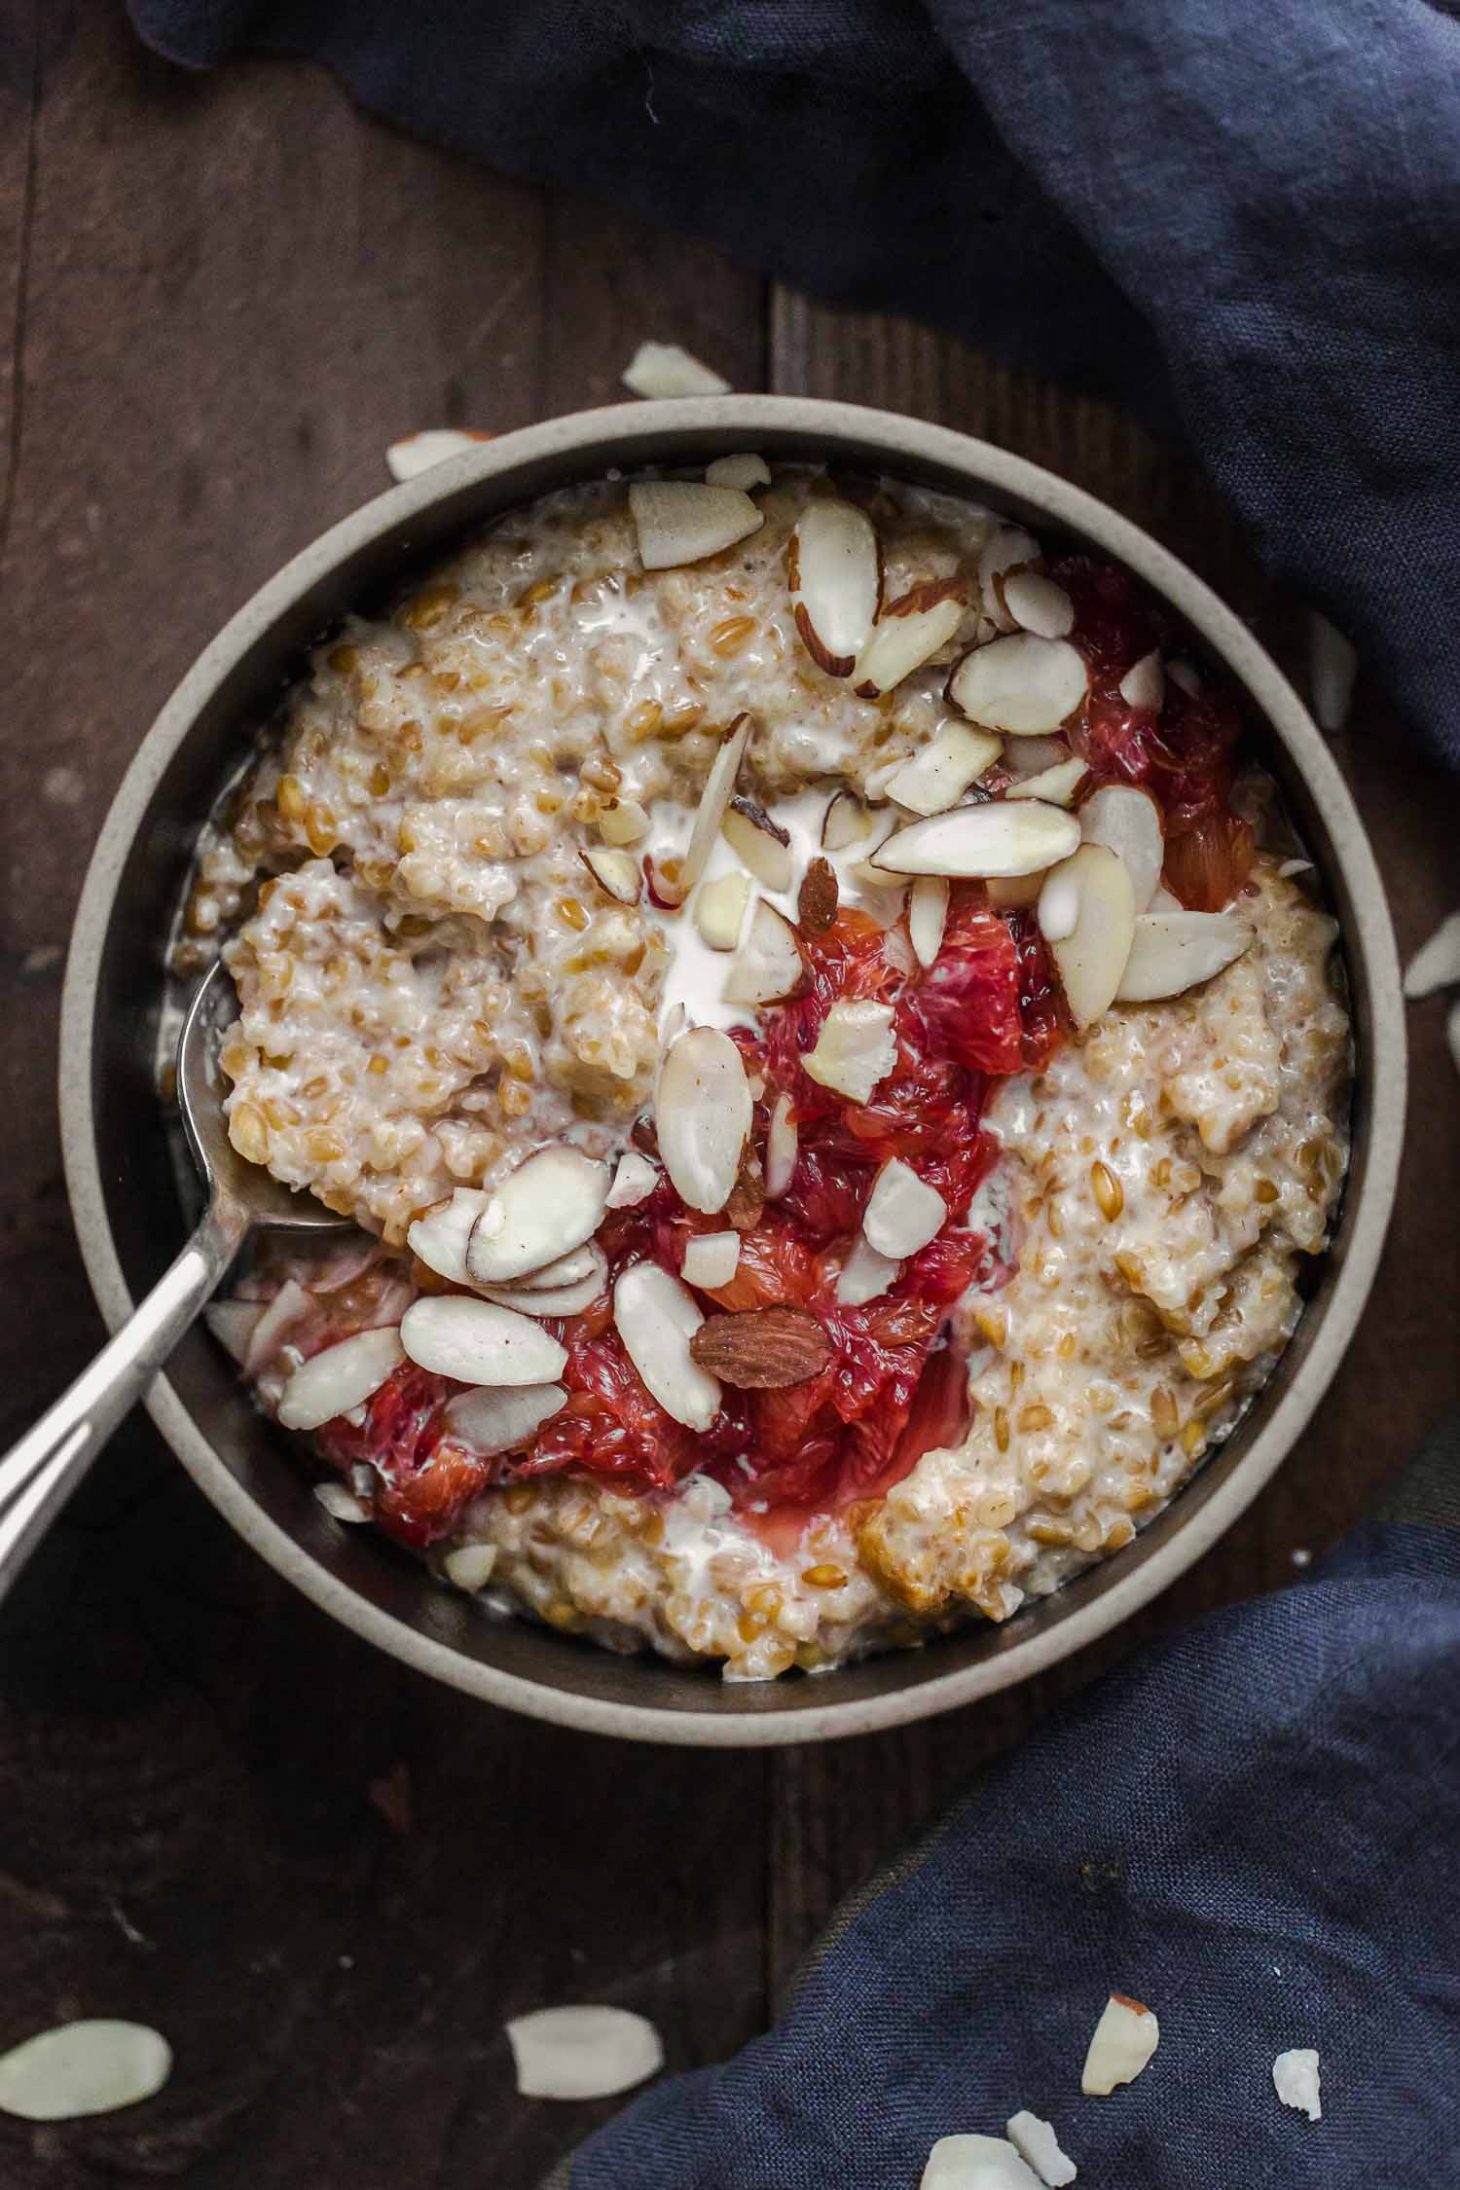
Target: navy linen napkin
x=1243 y=215
x=1254 y=1828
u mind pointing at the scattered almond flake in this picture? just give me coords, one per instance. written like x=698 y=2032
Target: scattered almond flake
x=834 y=569
x=702 y=1114
x=1057 y=786
x=479 y=1342
x=762 y=1349
x=623 y=821
x=1187 y=676
x=768 y=966
x=903 y=1212
x=1333 y=667
x=1125 y=2038
x=683 y=521
x=1436 y=964
x=817 y=900
x=551 y=1203
x=1173 y=952
x=719 y=911
x=570 y=1298
x=854 y=1050
x=439 y=1237
x=1092 y=959
x=419 y=452
x=744 y=472
x=761 y=842
x=994 y=838
x=664 y=369
x=288 y=1305
x=710 y=813
x=616 y=871
x=1144 y=683
x=1025 y=757
x=1295 y=2080
x=907 y=634
x=1059 y=904
x=493 y=1422
x=569 y=1269
x=634 y=1181
x=845 y=822
x=1035 y=2142
x=1021 y=685
x=711 y=1259
x=342 y=1377
x=657 y=1318
x=1009 y=548
x=947 y=766
x=976 y=2163
x=340 y=1504
x=865 y=1275
x=1128 y=822
x=90 y=2067
x=469 y=1566
x=582 y=2052
x=1287 y=868
x=1037 y=604
x=927 y=916
x=781 y=1144
x=232 y=1323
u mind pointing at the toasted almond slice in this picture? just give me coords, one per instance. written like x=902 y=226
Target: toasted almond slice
x=762 y=1349
x=768 y=965
x=1008 y=549
x=420 y=452
x=854 y=1050
x=834 y=566
x=1126 y=2036
x=623 y=821
x=1333 y=667
x=1436 y=964
x=1022 y=685
x=1057 y=786
x=1091 y=957
x=1175 y=951
x=903 y=1212
x=634 y=1181
x=1015 y=892
x=744 y=472
x=702 y=1112
x=656 y=1318
x=993 y=839
x=1128 y=821
x=471 y=1566
x=937 y=777
x=1144 y=683
x=908 y=634
x=618 y=872
x=478 y=1342
x=781 y=1145
x=1295 y=2080
x=927 y=916
x=547 y=1206
x=761 y=842
x=439 y=1237
x=569 y=1298
x=866 y=1274
x=1188 y=676
x=1038 y=2146
x=582 y=2052
x=90 y=2067
x=342 y=1377
x=492 y=1422
x=1037 y=604
x=710 y=1259
x=714 y=799
x=845 y=822
x=720 y=909
x=664 y=369
x=976 y=2163
x=682 y=521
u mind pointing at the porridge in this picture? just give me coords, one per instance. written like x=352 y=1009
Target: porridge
x=829 y=1049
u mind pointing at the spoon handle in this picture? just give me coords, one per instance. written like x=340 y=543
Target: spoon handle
x=39 y=1473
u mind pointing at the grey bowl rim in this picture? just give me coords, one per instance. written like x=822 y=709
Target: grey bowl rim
x=891 y=441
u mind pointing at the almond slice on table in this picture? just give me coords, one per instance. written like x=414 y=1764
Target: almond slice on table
x=1144 y=683
x=702 y=1114
x=1125 y=2038
x=976 y=2163
x=866 y=1274
x=927 y=916
x=569 y=1298
x=1057 y=786
x=1008 y=549
x=710 y=1259
x=493 y=1422
x=616 y=871
x=439 y=1237
x=341 y=1377
x=582 y=2052
x=720 y=909
x=1037 y=604
x=1038 y=2146
x=664 y=369
x=762 y=1349
x=781 y=1145
x=907 y=634
x=745 y=472
x=419 y=452
x=93 y=2066
x=768 y=965
x=1021 y=685
x=1088 y=903
x=903 y=1212
x=656 y=1318
x=1128 y=821
x=634 y=1180
x=550 y=1204
x=683 y=521
x=937 y=777
x=995 y=838
x=714 y=799
x=854 y=1050
x=845 y=822
x=1295 y=2080
x=761 y=842
x=1175 y=951
x=479 y=1342
x=834 y=567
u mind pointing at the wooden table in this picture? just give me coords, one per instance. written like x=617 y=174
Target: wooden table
x=326 y=1879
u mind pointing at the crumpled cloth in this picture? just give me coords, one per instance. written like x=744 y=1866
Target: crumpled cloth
x=1241 y=216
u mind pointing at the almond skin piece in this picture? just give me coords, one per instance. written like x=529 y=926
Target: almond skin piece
x=817 y=902
x=764 y=1349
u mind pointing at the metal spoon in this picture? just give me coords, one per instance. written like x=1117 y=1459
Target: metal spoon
x=38 y=1474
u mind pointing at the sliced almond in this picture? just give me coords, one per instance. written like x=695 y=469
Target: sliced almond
x=1090 y=956
x=720 y=909
x=439 y=1237
x=993 y=839
x=866 y=1274
x=550 y=1204
x=470 y=1566
x=1057 y=786
x=907 y=634
x=762 y=1349
x=948 y=764
x=1025 y=757
x=702 y=1114
x=710 y=813
x=1295 y=2080
x=761 y=842
x=341 y=1504
x=710 y=1259
x=854 y=1050
x=616 y=871
x=1436 y=964
x=781 y=1145
x=633 y=1181
x=582 y=2052
x=420 y=452
x=1128 y=821
x=682 y=521
x=903 y=1212
x=1038 y=2146
x=817 y=899
x=1187 y=675
x=493 y=1422
x=280 y=1315
x=768 y=965
x=569 y=1298
x=834 y=567
x=478 y=1342
x=1126 y=2036
x=623 y=821
x=1037 y=604
x=656 y=1318
x=342 y=1377
x=1009 y=548
x=1144 y=683
x=927 y=916
x=93 y=2066
x=744 y=472
x=845 y=822
x=569 y=1269
x=1021 y=685
x=1333 y=667
x=976 y=2163
x=664 y=369
x=1175 y=951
